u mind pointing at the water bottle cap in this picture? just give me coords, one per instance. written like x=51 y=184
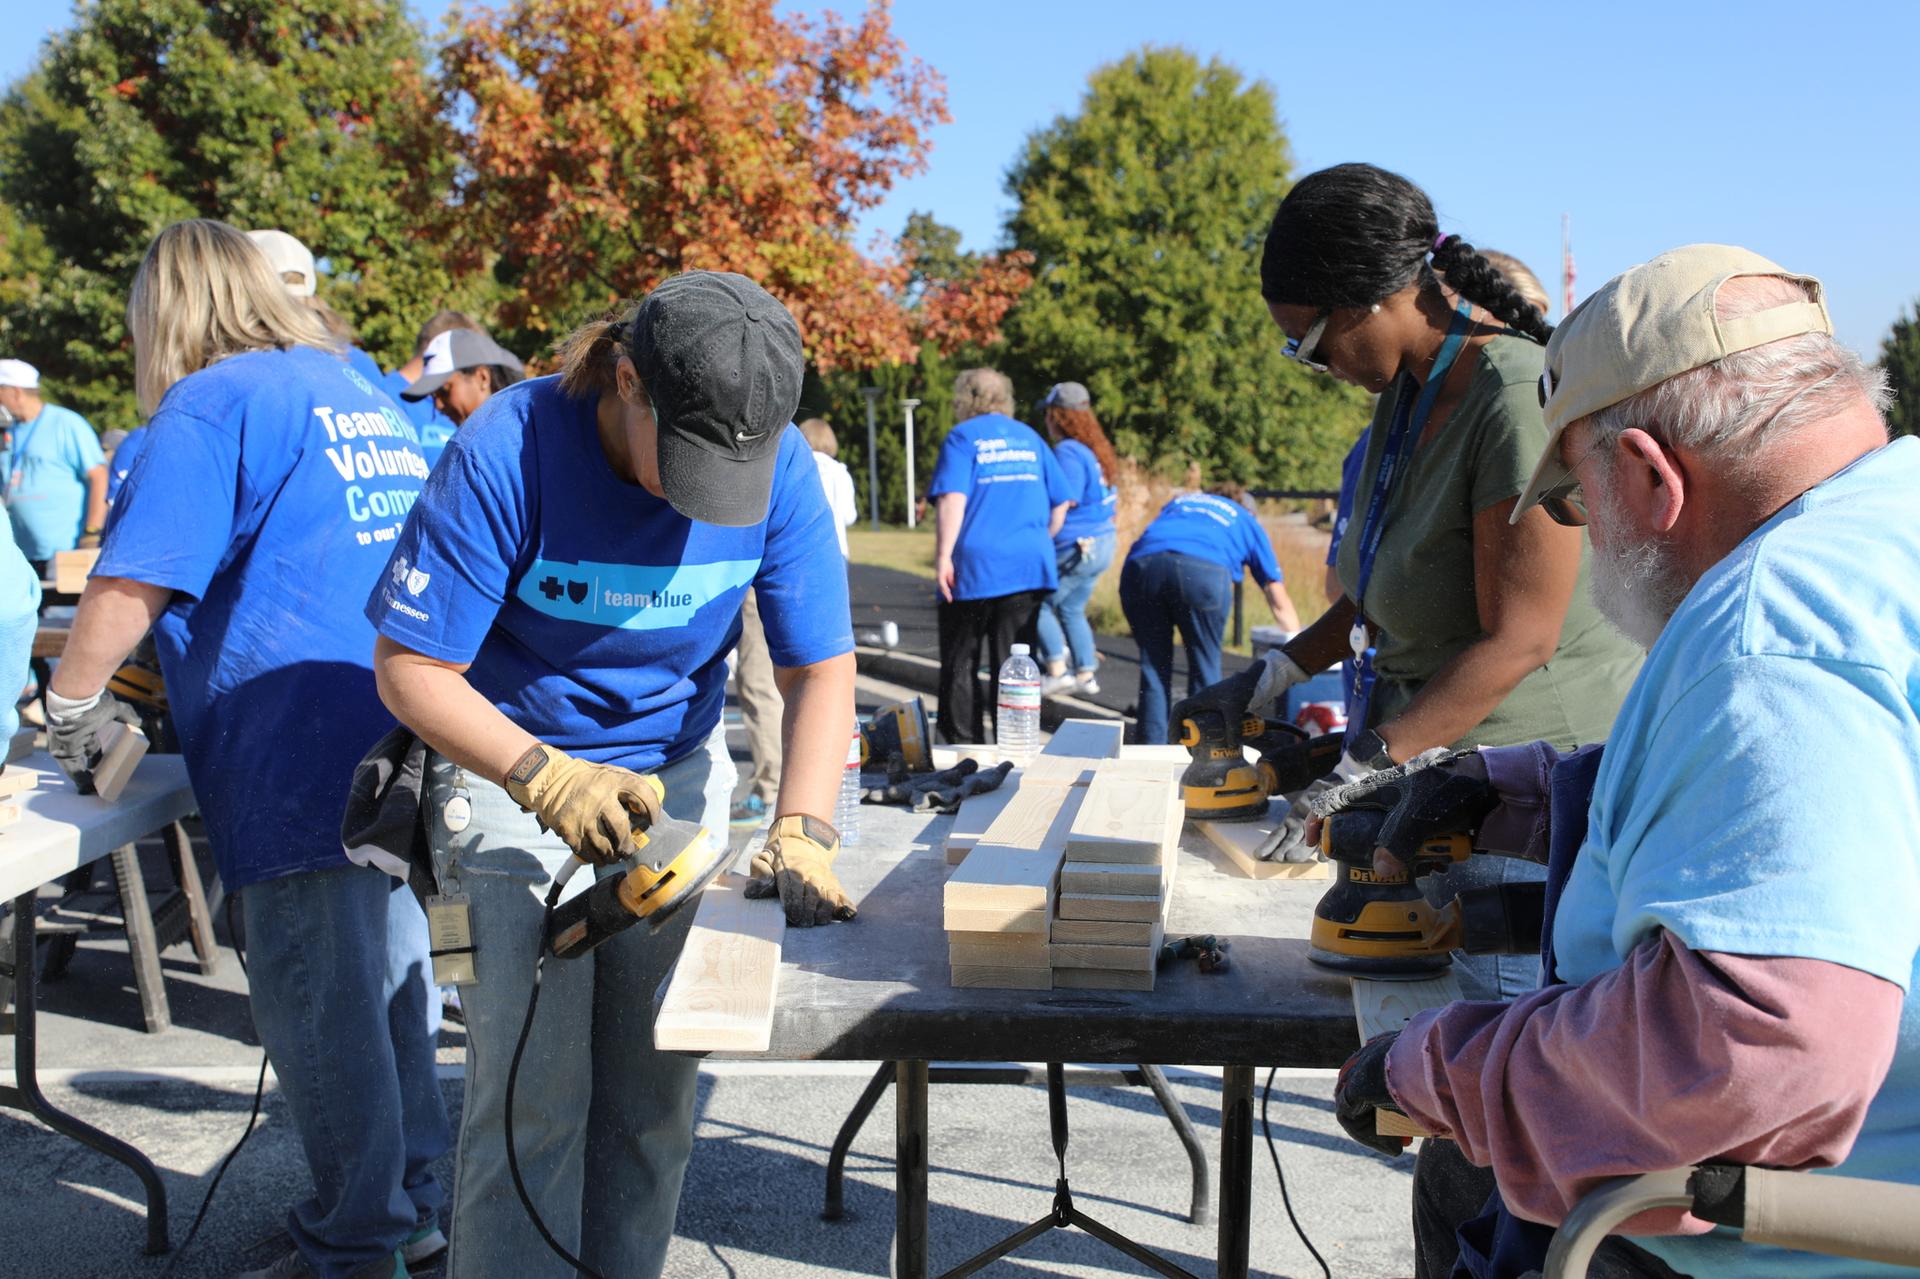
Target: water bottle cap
x=1019 y=650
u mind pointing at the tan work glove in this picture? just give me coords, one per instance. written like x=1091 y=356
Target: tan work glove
x=797 y=863
x=594 y=808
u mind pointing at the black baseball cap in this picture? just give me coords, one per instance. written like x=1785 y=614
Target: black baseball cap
x=722 y=363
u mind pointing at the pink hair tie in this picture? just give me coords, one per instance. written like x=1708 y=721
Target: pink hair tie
x=1439 y=240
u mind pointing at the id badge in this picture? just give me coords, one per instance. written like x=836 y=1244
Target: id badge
x=450 y=939
x=1358 y=639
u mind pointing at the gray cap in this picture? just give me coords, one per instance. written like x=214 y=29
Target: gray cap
x=452 y=351
x=721 y=360
x=1066 y=395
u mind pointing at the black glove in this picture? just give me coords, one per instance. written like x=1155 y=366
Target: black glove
x=73 y=736
x=1436 y=793
x=1361 y=1090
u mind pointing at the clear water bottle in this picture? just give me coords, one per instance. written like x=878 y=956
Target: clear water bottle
x=1019 y=717
x=846 y=813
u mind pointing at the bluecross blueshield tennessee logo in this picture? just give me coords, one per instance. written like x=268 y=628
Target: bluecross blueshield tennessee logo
x=633 y=597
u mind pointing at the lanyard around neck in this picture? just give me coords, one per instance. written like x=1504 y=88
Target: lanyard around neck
x=1403 y=436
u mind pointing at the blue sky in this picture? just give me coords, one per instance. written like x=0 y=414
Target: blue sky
x=1783 y=127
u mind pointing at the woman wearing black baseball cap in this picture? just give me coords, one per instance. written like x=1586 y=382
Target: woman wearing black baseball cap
x=555 y=623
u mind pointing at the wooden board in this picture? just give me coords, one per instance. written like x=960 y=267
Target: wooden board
x=123 y=752
x=17 y=782
x=960 y=956
x=1088 y=738
x=720 y=997
x=982 y=976
x=997 y=921
x=1159 y=752
x=1382 y=1006
x=977 y=812
x=1057 y=770
x=1029 y=816
x=1238 y=842
x=1102 y=932
x=1101 y=979
x=1127 y=816
x=1125 y=958
x=70 y=569
x=1004 y=875
x=1113 y=880
x=1106 y=907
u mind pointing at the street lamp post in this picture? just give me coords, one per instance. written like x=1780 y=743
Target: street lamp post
x=911 y=490
x=871 y=394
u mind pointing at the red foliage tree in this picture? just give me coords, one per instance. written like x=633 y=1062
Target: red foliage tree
x=608 y=144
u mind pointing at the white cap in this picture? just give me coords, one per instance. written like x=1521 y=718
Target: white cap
x=1019 y=650
x=288 y=257
x=19 y=373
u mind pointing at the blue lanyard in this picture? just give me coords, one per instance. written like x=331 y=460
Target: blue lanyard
x=18 y=452
x=1403 y=437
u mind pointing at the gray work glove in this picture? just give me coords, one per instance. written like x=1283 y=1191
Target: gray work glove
x=1296 y=839
x=1438 y=792
x=947 y=799
x=73 y=732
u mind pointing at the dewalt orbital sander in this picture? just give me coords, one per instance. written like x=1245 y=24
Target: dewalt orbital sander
x=1216 y=727
x=1377 y=925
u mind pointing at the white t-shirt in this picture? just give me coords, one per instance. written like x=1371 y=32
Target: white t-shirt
x=837 y=480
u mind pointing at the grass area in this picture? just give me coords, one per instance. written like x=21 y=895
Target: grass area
x=907 y=550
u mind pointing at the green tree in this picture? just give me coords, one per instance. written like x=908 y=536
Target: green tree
x=1900 y=360
x=280 y=113
x=1145 y=213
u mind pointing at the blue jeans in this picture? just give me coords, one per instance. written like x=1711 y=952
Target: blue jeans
x=1498 y=977
x=1167 y=592
x=602 y=1123
x=342 y=997
x=1063 y=617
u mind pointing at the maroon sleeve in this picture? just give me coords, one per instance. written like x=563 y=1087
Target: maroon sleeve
x=1570 y=1085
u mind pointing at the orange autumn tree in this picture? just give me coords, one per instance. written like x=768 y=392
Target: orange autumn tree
x=607 y=144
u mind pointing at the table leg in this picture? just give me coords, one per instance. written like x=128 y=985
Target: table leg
x=26 y=1095
x=199 y=910
x=1236 y=1172
x=143 y=942
x=910 y=1170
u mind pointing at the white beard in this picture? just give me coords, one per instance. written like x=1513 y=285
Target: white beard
x=1636 y=585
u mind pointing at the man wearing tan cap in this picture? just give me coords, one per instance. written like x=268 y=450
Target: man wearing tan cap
x=1732 y=911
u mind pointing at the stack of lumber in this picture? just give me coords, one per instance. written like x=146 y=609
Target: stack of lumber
x=1065 y=872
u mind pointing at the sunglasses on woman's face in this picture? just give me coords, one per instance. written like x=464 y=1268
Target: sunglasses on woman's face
x=1306 y=351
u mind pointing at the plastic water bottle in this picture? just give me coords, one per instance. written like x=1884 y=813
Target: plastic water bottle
x=1019 y=717
x=846 y=813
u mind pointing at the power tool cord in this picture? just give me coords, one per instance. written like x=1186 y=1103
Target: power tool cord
x=259 y=1093
x=1266 y=1095
x=513 y=1079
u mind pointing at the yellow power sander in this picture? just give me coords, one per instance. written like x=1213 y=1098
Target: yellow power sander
x=1221 y=786
x=674 y=861
x=1374 y=925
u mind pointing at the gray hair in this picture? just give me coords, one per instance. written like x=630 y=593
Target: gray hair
x=978 y=391
x=1738 y=407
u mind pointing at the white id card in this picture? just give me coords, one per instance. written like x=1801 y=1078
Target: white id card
x=450 y=940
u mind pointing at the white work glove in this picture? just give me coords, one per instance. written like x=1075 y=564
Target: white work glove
x=1278 y=673
x=1289 y=842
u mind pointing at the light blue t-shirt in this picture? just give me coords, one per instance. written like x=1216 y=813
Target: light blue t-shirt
x=1012 y=483
x=267 y=497
x=1760 y=792
x=19 y=619
x=594 y=615
x=1211 y=528
x=46 y=471
x=1094 y=500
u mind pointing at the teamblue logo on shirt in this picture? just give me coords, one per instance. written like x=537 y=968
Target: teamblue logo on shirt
x=633 y=597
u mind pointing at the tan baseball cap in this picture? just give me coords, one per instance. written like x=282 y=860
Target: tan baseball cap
x=1648 y=324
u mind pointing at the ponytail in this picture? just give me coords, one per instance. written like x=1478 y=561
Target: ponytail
x=1082 y=425
x=1481 y=283
x=590 y=353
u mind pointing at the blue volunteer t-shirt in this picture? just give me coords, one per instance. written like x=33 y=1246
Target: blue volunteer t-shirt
x=120 y=465
x=1349 y=485
x=593 y=614
x=1012 y=483
x=1214 y=529
x=46 y=469
x=270 y=492
x=435 y=427
x=1760 y=792
x=1094 y=500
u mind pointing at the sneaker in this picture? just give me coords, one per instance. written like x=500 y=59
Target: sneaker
x=749 y=814
x=1053 y=685
x=1087 y=683
x=292 y=1265
x=423 y=1245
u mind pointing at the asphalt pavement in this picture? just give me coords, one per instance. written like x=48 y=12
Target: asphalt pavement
x=753 y=1192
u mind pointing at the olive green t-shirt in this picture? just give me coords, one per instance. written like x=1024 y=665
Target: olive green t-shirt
x=1421 y=598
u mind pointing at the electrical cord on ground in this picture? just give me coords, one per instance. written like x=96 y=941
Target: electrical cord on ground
x=259 y=1093
x=1266 y=1095
x=513 y=1079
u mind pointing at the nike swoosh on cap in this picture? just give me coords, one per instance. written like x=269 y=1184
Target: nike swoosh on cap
x=746 y=438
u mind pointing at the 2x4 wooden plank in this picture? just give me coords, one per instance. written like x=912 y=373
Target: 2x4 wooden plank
x=1105 y=906
x=122 y=753
x=1382 y=1006
x=1239 y=844
x=1107 y=879
x=71 y=569
x=1087 y=738
x=1121 y=958
x=1102 y=932
x=1128 y=815
x=964 y=919
x=1013 y=868
x=720 y=997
